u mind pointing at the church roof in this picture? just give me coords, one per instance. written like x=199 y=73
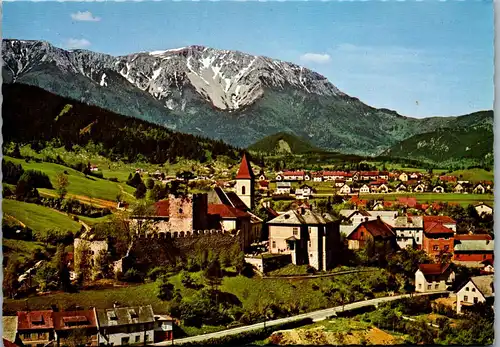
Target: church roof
x=245 y=171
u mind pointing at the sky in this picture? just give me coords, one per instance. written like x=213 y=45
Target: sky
x=419 y=58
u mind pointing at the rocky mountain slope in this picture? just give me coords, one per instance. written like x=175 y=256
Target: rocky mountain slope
x=227 y=95
x=472 y=142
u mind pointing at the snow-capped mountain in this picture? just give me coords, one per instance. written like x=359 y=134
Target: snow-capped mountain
x=227 y=95
x=228 y=80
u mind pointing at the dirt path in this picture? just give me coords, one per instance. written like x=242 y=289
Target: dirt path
x=87 y=200
x=15 y=219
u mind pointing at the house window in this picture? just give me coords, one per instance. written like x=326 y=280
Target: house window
x=484 y=256
x=466 y=298
x=362 y=234
x=446 y=247
x=274 y=244
x=310 y=244
x=418 y=238
x=473 y=289
x=476 y=299
x=125 y=340
x=435 y=248
x=295 y=231
x=467 y=289
x=429 y=287
x=137 y=339
x=436 y=286
x=180 y=210
x=243 y=190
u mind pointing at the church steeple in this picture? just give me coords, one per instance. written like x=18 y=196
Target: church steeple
x=245 y=183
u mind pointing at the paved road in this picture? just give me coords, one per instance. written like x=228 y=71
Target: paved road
x=316 y=276
x=315 y=316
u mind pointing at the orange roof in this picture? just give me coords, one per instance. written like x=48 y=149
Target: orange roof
x=433 y=269
x=436 y=228
x=226 y=211
x=473 y=237
x=439 y=219
x=245 y=171
x=35 y=320
x=411 y=202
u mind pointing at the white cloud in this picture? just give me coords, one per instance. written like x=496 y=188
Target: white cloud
x=77 y=43
x=315 y=58
x=85 y=16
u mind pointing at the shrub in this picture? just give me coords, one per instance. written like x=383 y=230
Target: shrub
x=133 y=275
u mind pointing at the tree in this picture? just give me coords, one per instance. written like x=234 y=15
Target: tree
x=213 y=274
x=102 y=265
x=59 y=262
x=10 y=283
x=61 y=184
x=157 y=193
x=46 y=277
x=150 y=183
x=26 y=191
x=140 y=191
x=186 y=175
x=135 y=180
x=166 y=290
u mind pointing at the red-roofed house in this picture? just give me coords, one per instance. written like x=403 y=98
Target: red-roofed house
x=445 y=220
x=408 y=202
x=450 y=179
x=70 y=325
x=35 y=328
x=233 y=219
x=294 y=176
x=433 y=277
x=437 y=237
x=376 y=230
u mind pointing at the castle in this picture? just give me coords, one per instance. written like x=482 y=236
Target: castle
x=200 y=214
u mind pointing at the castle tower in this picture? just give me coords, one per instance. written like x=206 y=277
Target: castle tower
x=245 y=183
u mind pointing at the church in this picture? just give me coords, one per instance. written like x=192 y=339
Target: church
x=234 y=207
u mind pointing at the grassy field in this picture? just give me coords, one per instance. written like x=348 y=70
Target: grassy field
x=79 y=185
x=23 y=251
x=39 y=218
x=462 y=199
x=474 y=175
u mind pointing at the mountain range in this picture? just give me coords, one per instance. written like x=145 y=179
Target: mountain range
x=227 y=95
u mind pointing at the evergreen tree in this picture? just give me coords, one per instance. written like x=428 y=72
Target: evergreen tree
x=140 y=191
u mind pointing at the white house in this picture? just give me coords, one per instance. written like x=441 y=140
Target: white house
x=364 y=189
x=438 y=189
x=403 y=177
x=283 y=187
x=458 y=188
x=383 y=188
x=401 y=187
x=433 y=277
x=479 y=189
x=120 y=326
x=306 y=191
x=477 y=289
x=294 y=176
x=345 y=189
x=483 y=208
x=409 y=231
x=317 y=176
x=420 y=188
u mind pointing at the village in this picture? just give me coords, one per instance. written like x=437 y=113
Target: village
x=241 y=213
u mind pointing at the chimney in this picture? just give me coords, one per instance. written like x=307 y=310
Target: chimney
x=366 y=219
x=378 y=217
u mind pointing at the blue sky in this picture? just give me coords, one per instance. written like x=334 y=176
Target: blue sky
x=421 y=59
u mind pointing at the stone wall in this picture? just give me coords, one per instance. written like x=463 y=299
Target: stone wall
x=149 y=251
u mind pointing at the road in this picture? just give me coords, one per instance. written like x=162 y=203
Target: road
x=315 y=316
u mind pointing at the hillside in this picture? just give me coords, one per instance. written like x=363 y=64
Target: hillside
x=44 y=118
x=227 y=95
x=283 y=143
x=472 y=143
